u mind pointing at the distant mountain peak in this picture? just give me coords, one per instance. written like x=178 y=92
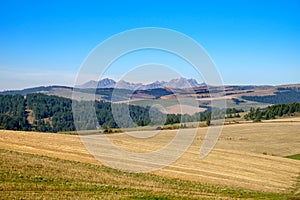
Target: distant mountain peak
x=106 y=83
x=177 y=83
x=181 y=83
x=127 y=85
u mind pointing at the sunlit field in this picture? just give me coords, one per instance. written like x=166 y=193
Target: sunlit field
x=240 y=161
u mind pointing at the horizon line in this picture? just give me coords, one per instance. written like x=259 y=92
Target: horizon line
x=73 y=86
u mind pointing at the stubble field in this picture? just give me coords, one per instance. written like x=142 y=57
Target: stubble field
x=246 y=157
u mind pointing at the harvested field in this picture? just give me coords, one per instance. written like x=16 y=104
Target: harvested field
x=29 y=176
x=246 y=156
x=67 y=147
x=182 y=109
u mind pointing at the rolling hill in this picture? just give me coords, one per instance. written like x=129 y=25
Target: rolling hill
x=168 y=93
x=241 y=166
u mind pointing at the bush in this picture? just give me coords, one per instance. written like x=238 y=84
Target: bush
x=208 y=122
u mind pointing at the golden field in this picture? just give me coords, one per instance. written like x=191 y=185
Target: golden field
x=249 y=156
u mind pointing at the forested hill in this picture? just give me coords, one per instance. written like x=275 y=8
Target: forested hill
x=47 y=113
x=44 y=113
x=281 y=96
x=40 y=112
x=41 y=89
x=273 y=111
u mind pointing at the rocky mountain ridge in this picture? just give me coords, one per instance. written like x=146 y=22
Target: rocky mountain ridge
x=178 y=83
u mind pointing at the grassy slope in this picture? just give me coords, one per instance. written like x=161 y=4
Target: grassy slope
x=29 y=176
x=237 y=161
x=296 y=156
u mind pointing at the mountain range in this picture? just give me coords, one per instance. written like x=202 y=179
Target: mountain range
x=167 y=93
x=179 y=83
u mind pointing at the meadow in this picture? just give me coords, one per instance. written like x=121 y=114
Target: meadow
x=250 y=161
x=29 y=176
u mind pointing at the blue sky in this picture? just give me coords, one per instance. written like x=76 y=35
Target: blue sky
x=251 y=42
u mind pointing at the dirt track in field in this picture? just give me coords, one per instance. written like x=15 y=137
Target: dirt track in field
x=238 y=159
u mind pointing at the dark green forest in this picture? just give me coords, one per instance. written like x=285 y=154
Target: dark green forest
x=13 y=112
x=54 y=114
x=283 y=96
x=45 y=113
x=273 y=111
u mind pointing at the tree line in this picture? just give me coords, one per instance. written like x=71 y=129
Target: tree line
x=54 y=114
x=13 y=112
x=271 y=112
x=282 y=96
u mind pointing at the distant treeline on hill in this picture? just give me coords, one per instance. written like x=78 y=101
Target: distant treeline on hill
x=54 y=114
x=44 y=113
x=283 y=96
x=13 y=114
x=273 y=111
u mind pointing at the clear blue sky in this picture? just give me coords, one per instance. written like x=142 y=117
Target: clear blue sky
x=251 y=42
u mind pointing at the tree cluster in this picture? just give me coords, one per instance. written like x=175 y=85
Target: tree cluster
x=233 y=112
x=13 y=113
x=271 y=112
x=55 y=114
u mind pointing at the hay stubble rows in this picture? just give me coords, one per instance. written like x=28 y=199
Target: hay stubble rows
x=238 y=159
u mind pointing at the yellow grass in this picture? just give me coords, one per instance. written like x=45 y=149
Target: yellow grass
x=182 y=109
x=238 y=159
x=61 y=146
x=28 y=176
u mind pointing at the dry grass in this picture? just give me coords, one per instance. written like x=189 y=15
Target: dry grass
x=182 y=109
x=28 y=176
x=237 y=161
x=53 y=145
x=278 y=139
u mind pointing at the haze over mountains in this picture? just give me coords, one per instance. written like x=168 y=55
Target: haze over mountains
x=166 y=93
x=179 y=83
